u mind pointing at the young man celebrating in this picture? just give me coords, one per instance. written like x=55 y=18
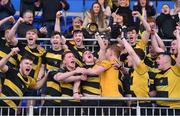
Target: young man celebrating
x=17 y=81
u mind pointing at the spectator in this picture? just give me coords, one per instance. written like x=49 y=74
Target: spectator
x=123 y=8
x=6 y=9
x=27 y=24
x=76 y=25
x=105 y=7
x=118 y=26
x=97 y=16
x=166 y=23
x=27 y=5
x=49 y=10
x=146 y=9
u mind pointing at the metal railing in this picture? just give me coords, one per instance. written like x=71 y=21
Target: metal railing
x=90 y=43
x=123 y=110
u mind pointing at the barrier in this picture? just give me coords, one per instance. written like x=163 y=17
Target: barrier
x=137 y=109
x=90 y=43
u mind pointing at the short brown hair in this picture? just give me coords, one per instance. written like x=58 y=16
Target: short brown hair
x=151 y=19
x=116 y=49
x=33 y=30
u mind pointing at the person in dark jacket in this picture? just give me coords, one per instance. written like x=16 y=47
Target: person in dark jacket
x=27 y=5
x=166 y=23
x=146 y=9
x=123 y=8
x=49 y=10
x=27 y=24
x=6 y=9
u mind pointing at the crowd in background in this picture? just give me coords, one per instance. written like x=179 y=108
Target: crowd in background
x=137 y=64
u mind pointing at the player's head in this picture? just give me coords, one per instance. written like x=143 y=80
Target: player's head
x=113 y=51
x=173 y=48
x=56 y=39
x=88 y=57
x=163 y=60
x=68 y=59
x=26 y=64
x=31 y=36
x=132 y=35
x=78 y=37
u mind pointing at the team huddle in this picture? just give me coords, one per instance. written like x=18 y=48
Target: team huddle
x=130 y=67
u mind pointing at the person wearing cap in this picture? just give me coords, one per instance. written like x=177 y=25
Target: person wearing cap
x=138 y=71
x=167 y=81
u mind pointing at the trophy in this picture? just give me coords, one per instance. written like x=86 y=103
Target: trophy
x=92 y=28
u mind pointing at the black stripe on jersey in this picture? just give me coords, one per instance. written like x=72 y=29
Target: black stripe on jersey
x=8 y=91
x=66 y=91
x=2 y=103
x=121 y=90
x=91 y=84
x=161 y=81
x=88 y=92
x=52 y=92
x=31 y=74
x=162 y=94
x=133 y=94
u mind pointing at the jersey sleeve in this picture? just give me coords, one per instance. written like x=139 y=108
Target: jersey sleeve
x=176 y=70
x=106 y=64
x=32 y=82
x=141 y=44
x=142 y=68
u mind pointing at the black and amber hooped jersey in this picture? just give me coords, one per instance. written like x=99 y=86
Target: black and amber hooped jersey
x=52 y=59
x=36 y=53
x=78 y=52
x=53 y=87
x=139 y=81
x=167 y=85
x=15 y=85
x=92 y=84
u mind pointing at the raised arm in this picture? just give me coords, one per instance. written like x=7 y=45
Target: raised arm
x=178 y=48
x=57 y=26
x=4 y=60
x=147 y=27
x=131 y=52
x=102 y=50
x=160 y=42
x=10 y=19
x=12 y=32
x=154 y=43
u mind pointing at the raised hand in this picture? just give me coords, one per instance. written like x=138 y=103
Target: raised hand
x=14 y=51
x=136 y=14
x=59 y=14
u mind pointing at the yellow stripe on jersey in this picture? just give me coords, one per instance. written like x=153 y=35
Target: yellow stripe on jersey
x=26 y=83
x=54 y=56
x=53 y=85
x=13 y=87
x=8 y=102
x=49 y=67
x=67 y=85
x=92 y=89
x=11 y=60
x=79 y=62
